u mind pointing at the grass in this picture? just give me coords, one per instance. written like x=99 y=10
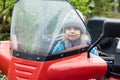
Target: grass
x=2 y=76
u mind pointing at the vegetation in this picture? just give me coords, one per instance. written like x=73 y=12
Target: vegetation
x=6 y=7
x=104 y=8
x=90 y=8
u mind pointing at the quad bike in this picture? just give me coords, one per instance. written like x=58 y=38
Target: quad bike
x=36 y=27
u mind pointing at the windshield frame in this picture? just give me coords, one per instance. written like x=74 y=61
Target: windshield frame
x=64 y=54
x=48 y=57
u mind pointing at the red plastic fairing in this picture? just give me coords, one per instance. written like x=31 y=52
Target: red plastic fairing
x=78 y=68
x=21 y=69
x=5 y=56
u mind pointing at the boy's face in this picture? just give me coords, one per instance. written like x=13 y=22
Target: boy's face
x=72 y=33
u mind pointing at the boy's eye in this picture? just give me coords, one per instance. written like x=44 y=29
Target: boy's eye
x=73 y=28
x=76 y=28
x=69 y=28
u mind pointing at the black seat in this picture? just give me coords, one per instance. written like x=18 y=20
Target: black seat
x=95 y=26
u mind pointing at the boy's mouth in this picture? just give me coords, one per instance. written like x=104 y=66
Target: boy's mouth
x=72 y=35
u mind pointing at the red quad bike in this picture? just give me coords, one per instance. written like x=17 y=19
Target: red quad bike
x=35 y=30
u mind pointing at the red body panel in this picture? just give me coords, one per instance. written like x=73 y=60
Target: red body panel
x=21 y=69
x=77 y=67
x=5 y=56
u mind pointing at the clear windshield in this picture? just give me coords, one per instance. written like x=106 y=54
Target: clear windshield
x=38 y=25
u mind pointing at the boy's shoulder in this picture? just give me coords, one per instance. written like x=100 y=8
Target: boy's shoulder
x=61 y=43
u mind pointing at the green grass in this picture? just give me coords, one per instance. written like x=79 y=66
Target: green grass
x=2 y=76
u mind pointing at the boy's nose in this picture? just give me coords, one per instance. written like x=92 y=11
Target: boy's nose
x=72 y=30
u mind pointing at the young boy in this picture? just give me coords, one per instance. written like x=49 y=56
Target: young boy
x=74 y=34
